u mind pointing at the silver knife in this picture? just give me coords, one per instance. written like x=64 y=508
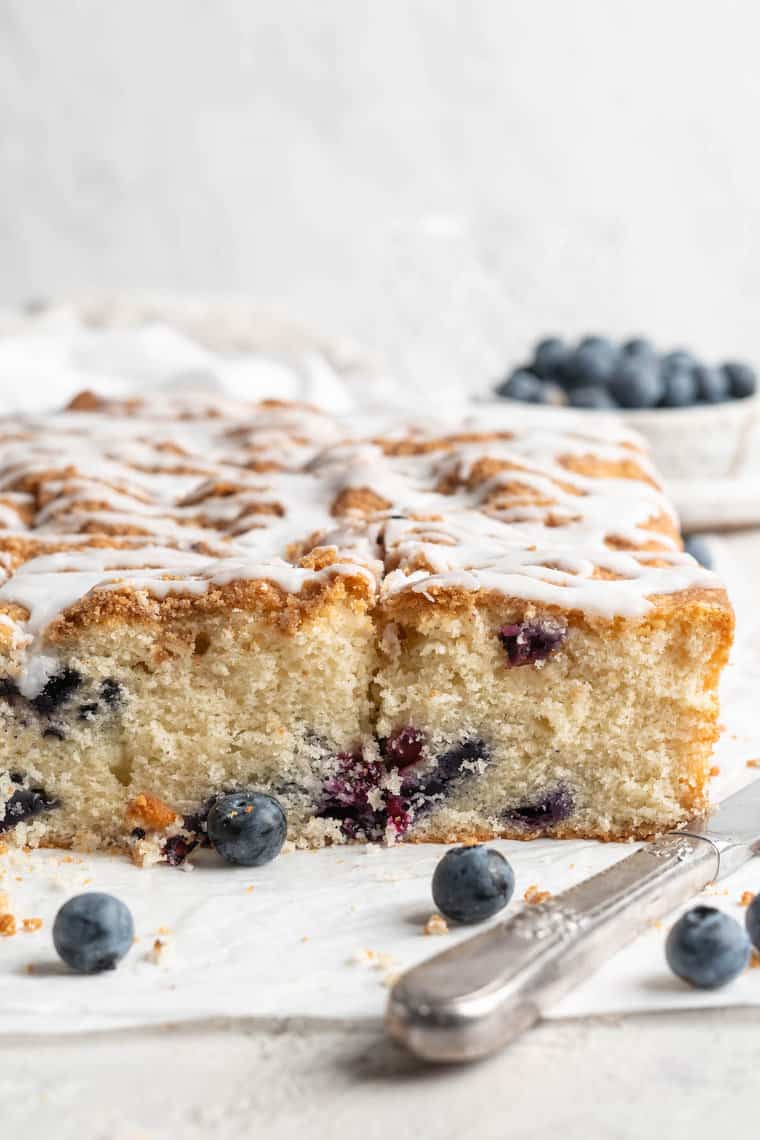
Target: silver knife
x=473 y=999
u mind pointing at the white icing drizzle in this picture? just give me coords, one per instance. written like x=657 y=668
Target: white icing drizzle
x=200 y=492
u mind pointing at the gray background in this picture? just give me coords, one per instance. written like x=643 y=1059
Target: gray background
x=440 y=180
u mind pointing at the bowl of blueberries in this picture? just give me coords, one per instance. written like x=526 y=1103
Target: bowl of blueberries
x=697 y=417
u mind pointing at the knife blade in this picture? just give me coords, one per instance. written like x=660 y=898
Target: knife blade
x=473 y=999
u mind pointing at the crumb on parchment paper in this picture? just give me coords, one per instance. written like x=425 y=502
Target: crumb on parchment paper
x=374 y=959
x=7 y=925
x=746 y=898
x=377 y=960
x=31 y=925
x=162 y=952
x=436 y=924
x=754 y=762
x=534 y=895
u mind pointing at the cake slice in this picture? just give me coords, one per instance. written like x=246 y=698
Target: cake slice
x=548 y=656
x=421 y=635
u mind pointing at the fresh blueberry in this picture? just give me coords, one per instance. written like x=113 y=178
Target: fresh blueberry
x=742 y=379
x=472 y=883
x=591 y=396
x=712 y=384
x=639 y=346
x=247 y=828
x=521 y=385
x=599 y=344
x=637 y=383
x=698 y=548
x=680 y=388
x=549 y=357
x=752 y=921
x=679 y=358
x=593 y=362
x=92 y=932
x=707 y=948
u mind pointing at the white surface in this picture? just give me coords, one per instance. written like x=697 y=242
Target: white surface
x=681 y=1076
x=442 y=181
x=295 y=945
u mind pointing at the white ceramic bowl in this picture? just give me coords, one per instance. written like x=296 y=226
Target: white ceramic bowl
x=706 y=441
x=708 y=456
x=702 y=442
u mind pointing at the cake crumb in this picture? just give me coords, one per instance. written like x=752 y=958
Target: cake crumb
x=3 y=848
x=161 y=952
x=746 y=898
x=715 y=770
x=436 y=924
x=7 y=925
x=250 y=889
x=374 y=959
x=754 y=962
x=754 y=763
x=534 y=895
x=30 y=925
x=150 y=812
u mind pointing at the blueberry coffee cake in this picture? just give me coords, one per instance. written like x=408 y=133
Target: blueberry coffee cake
x=402 y=633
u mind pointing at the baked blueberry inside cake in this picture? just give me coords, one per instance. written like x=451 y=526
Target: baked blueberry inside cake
x=424 y=634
